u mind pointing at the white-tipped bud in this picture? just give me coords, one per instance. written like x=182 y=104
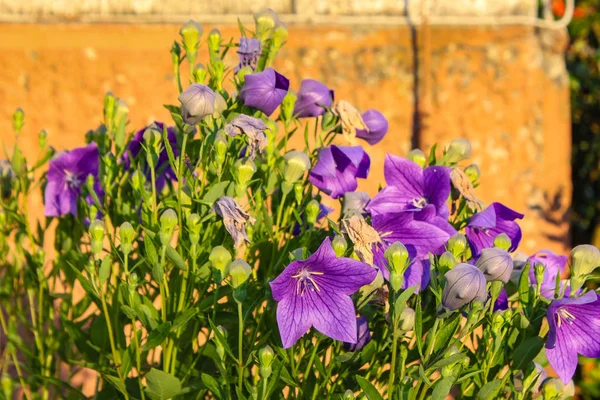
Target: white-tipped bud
x=458 y=150
x=296 y=164
x=239 y=271
x=417 y=156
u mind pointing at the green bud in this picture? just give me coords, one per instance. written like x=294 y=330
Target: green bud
x=153 y=138
x=175 y=55
x=473 y=172
x=265 y=20
x=138 y=180
x=214 y=43
x=397 y=257
x=266 y=356
x=193 y=225
x=328 y=121
x=417 y=156
x=502 y=241
x=554 y=389
x=199 y=75
x=121 y=113
x=18 y=120
x=348 y=395
x=457 y=245
x=497 y=321
x=220 y=258
x=313 y=208
x=216 y=69
x=296 y=164
x=241 y=74
x=458 y=150
x=279 y=36
x=287 y=105
x=168 y=221
x=239 y=271
x=538 y=270
x=244 y=171
x=220 y=346
x=221 y=145
x=42 y=139
x=298 y=192
x=190 y=33
x=340 y=245
x=127 y=235
x=407 y=319
x=446 y=262
x=585 y=259
x=109 y=108
x=96 y=231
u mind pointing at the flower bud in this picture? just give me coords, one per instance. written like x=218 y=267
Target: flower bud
x=417 y=156
x=312 y=211
x=214 y=43
x=497 y=321
x=407 y=319
x=502 y=241
x=190 y=33
x=199 y=101
x=397 y=257
x=244 y=171
x=287 y=105
x=127 y=235
x=239 y=271
x=265 y=20
x=138 y=180
x=446 y=262
x=109 y=108
x=585 y=258
x=193 y=225
x=153 y=138
x=219 y=345
x=18 y=120
x=554 y=389
x=168 y=221
x=241 y=74
x=7 y=176
x=348 y=395
x=464 y=283
x=339 y=245
x=266 y=356
x=328 y=121
x=473 y=172
x=199 y=74
x=457 y=244
x=458 y=150
x=220 y=258
x=538 y=272
x=42 y=139
x=496 y=264
x=296 y=164
x=97 y=236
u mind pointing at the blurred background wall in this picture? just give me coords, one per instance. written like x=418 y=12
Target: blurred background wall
x=439 y=70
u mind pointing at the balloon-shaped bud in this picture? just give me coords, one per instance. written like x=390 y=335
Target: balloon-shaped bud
x=296 y=164
x=502 y=241
x=127 y=235
x=407 y=319
x=220 y=258
x=464 y=283
x=97 y=236
x=239 y=271
x=340 y=245
x=457 y=244
x=458 y=150
x=496 y=264
x=473 y=172
x=417 y=156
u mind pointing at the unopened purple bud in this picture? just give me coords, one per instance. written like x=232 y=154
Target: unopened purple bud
x=313 y=98
x=496 y=264
x=417 y=156
x=465 y=283
x=199 y=101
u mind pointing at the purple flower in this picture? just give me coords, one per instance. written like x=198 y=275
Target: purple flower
x=338 y=168
x=264 y=90
x=555 y=266
x=316 y=292
x=199 y=101
x=250 y=50
x=163 y=168
x=377 y=126
x=66 y=175
x=574 y=329
x=419 y=237
x=501 y=303
x=363 y=335
x=484 y=226
x=312 y=97
x=410 y=188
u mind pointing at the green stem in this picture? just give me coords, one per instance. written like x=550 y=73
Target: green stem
x=310 y=360
x=264 y=388
x=138 y=356
x=390 y=388
x=240 y=346
x=154 y=204
x=15 y=360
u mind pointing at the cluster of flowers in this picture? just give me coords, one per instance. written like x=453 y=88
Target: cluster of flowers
x=405 y=240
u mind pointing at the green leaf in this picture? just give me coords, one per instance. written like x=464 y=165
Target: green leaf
x=161 y=386
x=368 y=388
x=446 y=332
x=151 y=253
x=400 y=303
x=442 y=388
x=419 y=326
x=184 y=317
x=490 y=390
x=215 y=192
x=212 y=385
x=175 y=258
x=104 y=271
x=527 y=351
x=85 y=282
x=453 y=359
x=524 y=286
x=116 y=383
x=342 y=358
x=157 y=336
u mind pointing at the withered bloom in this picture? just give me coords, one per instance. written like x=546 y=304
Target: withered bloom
x=234 y=219
x=362 y=235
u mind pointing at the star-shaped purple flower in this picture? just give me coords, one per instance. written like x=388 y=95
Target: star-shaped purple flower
x=484 y=226
x=338 y=168
x=555 y=265
x=419 y=237
x=66 y=175
x=410 y=188
x=574 y=329
x=264 y=90
x=377 y=126
x=313 y=96
x=316 y=292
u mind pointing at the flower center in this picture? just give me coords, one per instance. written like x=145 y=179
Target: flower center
x=305 y=281
x=563 y=313
x=419 y=202
x=72 y=179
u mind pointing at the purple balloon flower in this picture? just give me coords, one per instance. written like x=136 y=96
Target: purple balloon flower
x=264 y=90
x=163 y=168
x=316 y=292
x=312 y=97
x=410 y=188
x=66 y=175
x=338 y=168
x=555 y=266
x=484 y=226
x=501 y=303
x=249 y=51
x=377 y=126
x=363 y=335
x=419 y=237
x=574 y=329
